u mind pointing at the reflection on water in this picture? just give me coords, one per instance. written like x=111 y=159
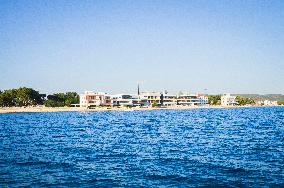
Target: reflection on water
x=201 y=147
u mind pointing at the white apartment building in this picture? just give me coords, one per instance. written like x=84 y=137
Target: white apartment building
x=152 y=97
x=203 y=100
x=192 y=99
x=169 y=99
x=92 y=99
x=129 y=100
x=228 y=100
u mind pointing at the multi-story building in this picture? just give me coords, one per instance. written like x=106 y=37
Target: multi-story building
x=169 y=99
x=203 y=100
x=228 y=100
x=153 y=97
x=92 y=99
x=142 y=101
x=192 y=99
x=129 y=100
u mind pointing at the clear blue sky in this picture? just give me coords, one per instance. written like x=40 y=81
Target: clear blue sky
x=224 y=46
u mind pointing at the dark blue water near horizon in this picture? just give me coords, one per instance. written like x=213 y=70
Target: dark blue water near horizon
x=241 y=147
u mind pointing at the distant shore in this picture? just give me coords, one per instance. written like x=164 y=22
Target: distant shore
x=101 y=109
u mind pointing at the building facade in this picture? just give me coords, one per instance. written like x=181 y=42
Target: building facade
x=203 y=100
x=153 y=97
x=128 y=100
x=169 y=99
x=143 y=99
x=192 y=99
x=93 y=99
x=228 y=100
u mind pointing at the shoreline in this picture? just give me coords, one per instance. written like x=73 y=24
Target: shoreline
x=5 y=110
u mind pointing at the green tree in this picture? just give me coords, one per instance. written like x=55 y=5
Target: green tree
x=27 y=96
x=8 y=98
x=54 y=100
x=214 y=99
x=62 y=99
x=20 y=97
x=71 y=98
x=154 y=104
x=244 y=101
x=52 y=103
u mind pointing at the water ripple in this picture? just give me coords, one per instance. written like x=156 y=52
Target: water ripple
x=184 y=148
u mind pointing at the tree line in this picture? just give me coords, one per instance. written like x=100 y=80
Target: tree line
x=62 y=99
x=29 y=97
x=216 y=100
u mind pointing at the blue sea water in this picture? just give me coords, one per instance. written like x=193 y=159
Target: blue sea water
x=173 y=148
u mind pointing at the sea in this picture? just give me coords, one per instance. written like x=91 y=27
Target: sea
x=228 y=147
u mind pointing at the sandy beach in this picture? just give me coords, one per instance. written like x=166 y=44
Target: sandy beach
x=99 y=109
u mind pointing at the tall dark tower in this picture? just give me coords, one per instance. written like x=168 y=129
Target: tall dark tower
x=138 y=90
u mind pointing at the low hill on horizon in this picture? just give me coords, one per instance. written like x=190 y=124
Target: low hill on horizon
x=272 y=97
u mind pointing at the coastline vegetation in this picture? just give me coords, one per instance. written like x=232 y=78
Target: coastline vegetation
x=214 y=99
x=244 y=101
x=24 y=96
x=155 y=104
x=21 y=97
x=258 y=97
x=62 y=99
